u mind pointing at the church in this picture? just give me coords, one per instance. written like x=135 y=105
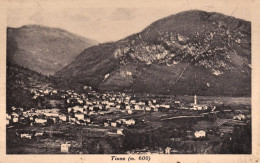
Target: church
x=196 y=106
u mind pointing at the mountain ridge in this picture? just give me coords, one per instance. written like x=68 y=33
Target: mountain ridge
x=186 y=53
x=44 y=49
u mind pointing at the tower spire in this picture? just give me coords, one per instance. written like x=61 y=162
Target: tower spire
x=195 y=100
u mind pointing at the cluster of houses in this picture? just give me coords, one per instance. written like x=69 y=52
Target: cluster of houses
x=43 y=92
x=32 y=116
x=81 y=109
x=82 y=115
x=82 y=106
x=110 y=102
x=76 y=115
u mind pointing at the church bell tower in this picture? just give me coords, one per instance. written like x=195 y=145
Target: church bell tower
x=195 y=100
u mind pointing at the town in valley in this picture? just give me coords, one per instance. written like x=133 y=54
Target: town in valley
x=181 y=85
x=64 y=121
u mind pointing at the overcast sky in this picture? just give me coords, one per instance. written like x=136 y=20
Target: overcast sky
x=107 y=24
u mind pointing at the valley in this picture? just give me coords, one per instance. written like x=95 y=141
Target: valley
x=180 y=86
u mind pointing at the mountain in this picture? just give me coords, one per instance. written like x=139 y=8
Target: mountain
x=43 y=49
x=192 y=52
x=19 y=81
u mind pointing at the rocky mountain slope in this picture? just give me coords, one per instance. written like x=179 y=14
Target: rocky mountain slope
x=43 y=49
x=192 y=52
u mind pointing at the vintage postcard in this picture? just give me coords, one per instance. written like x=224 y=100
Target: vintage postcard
x=140 y=81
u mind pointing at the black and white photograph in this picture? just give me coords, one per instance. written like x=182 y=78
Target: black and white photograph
x=129 y=80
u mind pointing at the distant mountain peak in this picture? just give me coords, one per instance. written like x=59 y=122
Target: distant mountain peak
x=44 y=49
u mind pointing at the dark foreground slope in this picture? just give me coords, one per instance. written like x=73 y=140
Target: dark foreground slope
x=43 y=49
x=18 y=82
x=192 y=52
